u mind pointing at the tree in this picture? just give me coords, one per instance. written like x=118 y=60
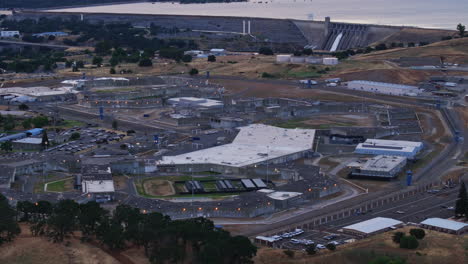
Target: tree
x=461 y=30
x=40 y=121
x=187 y=58
x=331 y=246
x=397 y=237
x=112 y=71
x=265 y=51
x=418 y=233
x=63 y=220
x=89 y=217
x=23 y=107
x=409 y=242
x=9 y=228
x=115 y=124
x=462 y=202
x=311 y=250
x=308 y=52
x=193 y=71
x=97 y=60
x=212 y=58
x=9 y=123
x=387 y=260
x=45 y=139
x=114 y=61
x=75 y=136
x=145 y=62
x=26 y=123
x=6 y=146
x=289 y=253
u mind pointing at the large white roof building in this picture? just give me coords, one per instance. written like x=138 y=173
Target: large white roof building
x=371 y=226
x=254 y=144
x=445 y=225
x=407 y=149
x=384 y=88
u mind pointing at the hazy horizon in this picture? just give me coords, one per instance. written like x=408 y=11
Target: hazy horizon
x=429 y=13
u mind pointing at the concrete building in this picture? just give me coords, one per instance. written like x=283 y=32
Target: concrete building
x=195 y=102
x=258 y=144
x=383 y=88
x=283 y=200
x=330 y=61
x=55 y=34
x=372 y=226
x=7 y=176
x=218 y=52
x=403 y=148
x=380 y=166
x=28 y=144
x=9 y=33
x=227 y=122
x=445 y=225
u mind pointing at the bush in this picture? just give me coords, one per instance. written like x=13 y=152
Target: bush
x=409 y=242
x=331 y=246
x=418 y=233
x=212 y=58
x=308 y=52
x=23 y=107
x=289 y=253
x=267 y=75
x=187 y=58
x=311 y=250
x=112 y=71
x=265 y=51
x=397 y=237
x=145 y=63
x=75 y=136
x=193 y=72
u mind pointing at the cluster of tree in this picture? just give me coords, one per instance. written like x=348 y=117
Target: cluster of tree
x=30 y=60
x=8 y=123
x=9 y=228
x=409 y=241
x=461 y=205
x=164 y=240
x=38 y=121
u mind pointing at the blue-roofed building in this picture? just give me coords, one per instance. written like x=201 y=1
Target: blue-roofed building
x=35 y=131
x=28 y=133
x=55 y=34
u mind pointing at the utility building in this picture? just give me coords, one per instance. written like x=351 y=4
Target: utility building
x=384 y=88
x=403 y=148
x=380 y=166
x=372 y=226
x=445 y=225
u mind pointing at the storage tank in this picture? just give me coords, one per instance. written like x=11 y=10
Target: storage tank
x=330 y=61
x=314 y=60
x=297 y=59
x=283 y=58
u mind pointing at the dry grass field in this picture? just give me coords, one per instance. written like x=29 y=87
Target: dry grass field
x=435 y=248
x=156 y=187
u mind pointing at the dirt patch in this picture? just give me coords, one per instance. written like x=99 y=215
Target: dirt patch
x=26 y=249
x=120 y=182
x=155 y=187
x=434 y=248
x=342 y=120
x=136 y=255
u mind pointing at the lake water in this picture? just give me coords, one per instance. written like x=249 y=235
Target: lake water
x=424 y=13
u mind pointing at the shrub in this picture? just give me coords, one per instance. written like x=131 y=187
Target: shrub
x=75 y=136
x=418 y=233
x=193 y=72
x=265 y=51
x=187 y=58
x=145 y=62
x=289 y=253
x=409 y=242
x=311 y=250
x=112 y=71
x=267 y=75
x=212 y=58
x=397 y=237
x=331 y=246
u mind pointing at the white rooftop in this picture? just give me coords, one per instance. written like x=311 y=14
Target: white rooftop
x=400 y=145
x=444 y=223
x=29 y=140
x=36 y=91
x=254 y=144
x=392 y=85
x=105 y=186
x=202 y=102
x=373 y=225
x=281 y=196
x=383 y=163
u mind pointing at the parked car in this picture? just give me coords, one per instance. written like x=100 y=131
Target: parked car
x=320 y=246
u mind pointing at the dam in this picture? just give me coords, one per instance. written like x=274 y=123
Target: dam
x=281 y=34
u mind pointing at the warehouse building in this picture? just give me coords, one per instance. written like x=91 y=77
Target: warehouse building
x=28 y=144
x=384 y=88
x=403 y=148
x=258 y=144
x=445 y=225
x=380 y=166
x=9 y=33
x=372 y=226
